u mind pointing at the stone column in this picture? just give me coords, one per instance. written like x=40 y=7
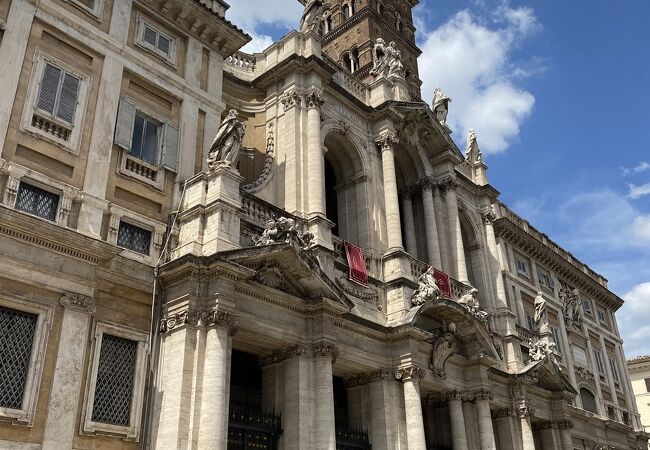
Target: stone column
x=433 y=243
x=410 y=377
x=387 y=143
x=324 y=426
x=508 y=430
x=443 y=232
x=565 y=427
x=485 y=429
x=296 y=413
x=458 y=432
x=60 y=427
x=409 y=222
x=382 y=422
x=489 y=216
x=528 y=442
x=455 y=235
x=215 y=391
x=12 y=54
x=315 y=162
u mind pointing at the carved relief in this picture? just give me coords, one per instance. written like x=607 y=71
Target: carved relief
x=291 y=99
x=387 y=141
x=314 y=99
x=282 y=354
x=325 y=350
x=78 y=302
x=369 y=297
x=198 y=318
x=427 y=290
x=265 y=176
x=272 y=274
x=409 y=373
x=445 y=344
x=283 y=230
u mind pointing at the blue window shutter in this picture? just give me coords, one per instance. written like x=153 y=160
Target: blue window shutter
x=171 y=148
x=124 y=125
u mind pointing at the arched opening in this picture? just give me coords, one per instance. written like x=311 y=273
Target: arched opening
x=346 y=12
x=380 y=8
x=588 y=401
x=472 y=249
x=353 y=7
x=398 y=21
x=327 y=24
x=331 y=201
x=354 y=60
x=346 y=59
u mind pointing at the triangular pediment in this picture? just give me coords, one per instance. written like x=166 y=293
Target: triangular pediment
x=289 y=269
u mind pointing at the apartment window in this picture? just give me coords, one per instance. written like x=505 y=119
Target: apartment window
x=37 y=201
x=523 y=265
x=134 y=238
x=145 y=140
x=598 y=357
x=586 y=307
x=611 y=413
x=545 y=279
x=602 y=317
x=557 y=337
x=115 y=387
x=588 y=401
x=612 y=366
x=530 y=322
x=647 y=384
x=23 y=336
x=155 y=40
x=93 y=7
x=626 y=418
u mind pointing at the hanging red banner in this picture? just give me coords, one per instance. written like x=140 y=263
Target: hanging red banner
x=357 y=264
x=443 y=282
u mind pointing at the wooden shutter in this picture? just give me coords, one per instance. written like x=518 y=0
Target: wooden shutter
x=49 y=88
x=171 y=147
x=124 y=125
x=68 y=98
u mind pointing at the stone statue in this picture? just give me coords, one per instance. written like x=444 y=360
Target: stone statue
x=440 y=105
x=445 y=344
x=395 y=66
x=312 y=16
x=387 y=59
x=283 y=230
x=379 y=57
x=225 y=147
x=541 y=317
x=540 y=349
x=471 y=303
x=427 y=290
x=571 y=303
x=472 y=152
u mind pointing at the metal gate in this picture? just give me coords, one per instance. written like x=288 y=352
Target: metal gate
x=250 y=429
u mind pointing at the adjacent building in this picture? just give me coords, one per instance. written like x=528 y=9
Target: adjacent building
x=639 y=368
x=148 y=300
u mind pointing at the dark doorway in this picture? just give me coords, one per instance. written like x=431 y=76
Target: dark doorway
x=331 y=200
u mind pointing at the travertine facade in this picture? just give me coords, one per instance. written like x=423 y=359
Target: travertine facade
x=150 y=300
x=639 y=368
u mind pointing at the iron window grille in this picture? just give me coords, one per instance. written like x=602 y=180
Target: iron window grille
x=17 y=330
x=37 y=201
x=134 y=238
x=115 y=380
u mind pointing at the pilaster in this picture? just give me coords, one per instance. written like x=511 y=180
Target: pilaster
x=410 y=377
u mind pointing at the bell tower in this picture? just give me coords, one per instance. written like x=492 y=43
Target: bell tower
x=351 y=27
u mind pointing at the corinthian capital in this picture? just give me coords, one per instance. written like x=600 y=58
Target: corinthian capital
x=325 y=350
x=387 y=141
x=449 y=184
x=409 y=373
x=314 y=99
x=78 y=302
x=291 y=99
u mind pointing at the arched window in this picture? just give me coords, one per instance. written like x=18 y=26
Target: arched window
x=398 y=21
x=327 y=24
x=380 y=8
x=588 y=401
x=347 y=61
x=353 y=7
x=346 y=12
x=354 y=60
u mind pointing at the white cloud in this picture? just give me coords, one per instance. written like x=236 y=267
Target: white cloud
x=471 y=61
x=641 y=167
x=641 y=229
x=633 y=320
x=638 y=191
x=251 y=15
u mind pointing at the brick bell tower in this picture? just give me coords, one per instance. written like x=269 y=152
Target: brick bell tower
x=351 y=27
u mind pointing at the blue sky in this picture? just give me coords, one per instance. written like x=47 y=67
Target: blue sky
x=558 y=93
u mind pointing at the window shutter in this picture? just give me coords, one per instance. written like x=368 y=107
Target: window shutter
x=171 y=146
x=68 y=98
x=49 y=88
x=124 y=126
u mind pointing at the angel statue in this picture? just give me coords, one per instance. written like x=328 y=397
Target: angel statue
x=311 y=17
x=380 y=57
x=395 y=66
x=225 y=147
x=427 y=290
x=440 y=105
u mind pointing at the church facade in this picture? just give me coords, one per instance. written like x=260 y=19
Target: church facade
x=207 y=249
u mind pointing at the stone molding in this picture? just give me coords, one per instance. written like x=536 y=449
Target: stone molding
x=409 y=373
x=282 y=354
x=387 y=141
x=198 y=318
x=78 y=302
x=366 y=377
x=323 y=350
x=314 y=99
x=489 y=215
x=369 y=297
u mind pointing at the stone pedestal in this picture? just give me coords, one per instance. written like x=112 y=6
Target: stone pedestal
x=381 y=91
x=209 y=220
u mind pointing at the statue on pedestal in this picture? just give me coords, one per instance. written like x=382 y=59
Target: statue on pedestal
x=386 y=60
x=471 y=303
x=427 y=290
x=472 y=152
x=224 y=150
x=541 y=317
x=283 y=229
x=312 y=16
x=440 y=105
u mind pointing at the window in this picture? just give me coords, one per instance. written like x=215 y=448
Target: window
x=647 y=384
x=398 y=21
x=530 y=322
x=327 y=24
x=37 y=201
x=23 y=337
x=545 y=279
x=580 y=356
x=626 y=418
x=586 y=307
x=588 y=401
x=149 y=144
x=134 y=238
x=522 y=265
x=380 y=8
x=153 y=39
x=602 y=317
x=557 y=337
x=347 y=11
x=115 y=389
x=611 y=413
x=598 y=357
x=93 y=7
x=612 y=366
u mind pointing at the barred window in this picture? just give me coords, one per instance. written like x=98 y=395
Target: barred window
x=17 y=329
x=37 y=201
x=115 y=379
x=58 y=93
x=134 y=238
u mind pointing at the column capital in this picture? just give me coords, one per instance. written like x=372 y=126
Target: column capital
x=407 y=191
x=387 y=141
x=483 y=394
x=428 y=183
x=448 y=184
x=324 y=350
x=78 y=302
x=455 y=395
x=199 y=318
x=282 y=354
x=314 y=99
x=291 y=99
x=409 y=373
x=564 y=424
x=524 y=411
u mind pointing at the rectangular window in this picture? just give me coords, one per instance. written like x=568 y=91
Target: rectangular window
x=58 y=93
x=586 y=306
x=580 y=356
x=17 y=330
x=522 y=265
x=611 y=413
x=612 y=366
x=145 y=142
x=602 y=317
x=134 y=238
x=545 y=279
x=152 y=38
x=558 y=341
x=115 y=378
x=530 y=322
x=37 y=201
x=647 y=384
x=626 y=418
x=598 y=357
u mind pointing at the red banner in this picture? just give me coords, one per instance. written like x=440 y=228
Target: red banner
x=357 y=263
x=442 y=280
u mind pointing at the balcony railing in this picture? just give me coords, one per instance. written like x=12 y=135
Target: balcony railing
x=351 y=439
